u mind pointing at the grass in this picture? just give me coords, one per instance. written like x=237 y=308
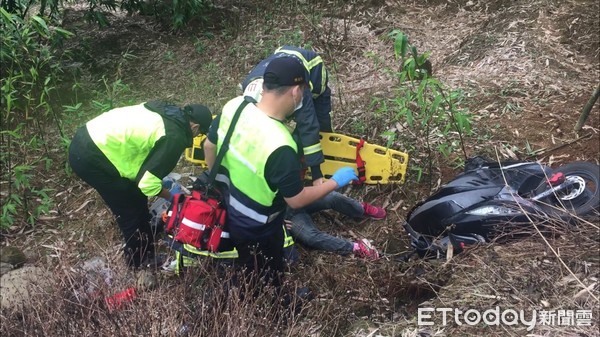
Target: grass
x=352 y=299
x=199 y=303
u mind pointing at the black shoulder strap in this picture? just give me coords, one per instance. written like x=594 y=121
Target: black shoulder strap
x=225 y=146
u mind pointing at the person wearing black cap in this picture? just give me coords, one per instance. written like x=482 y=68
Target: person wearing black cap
x=313 y=115
x=261 y=169
x=126 y=152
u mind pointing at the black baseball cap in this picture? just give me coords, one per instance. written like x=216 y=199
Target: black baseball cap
x=199 y=114
x=285 y=71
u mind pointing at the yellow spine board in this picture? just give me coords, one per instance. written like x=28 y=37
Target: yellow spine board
x=382 y=165
x=195 y=154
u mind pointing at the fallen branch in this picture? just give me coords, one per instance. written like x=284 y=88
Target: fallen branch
x=546 y=150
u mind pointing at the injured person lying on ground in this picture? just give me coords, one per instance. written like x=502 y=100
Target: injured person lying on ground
x=303 y=229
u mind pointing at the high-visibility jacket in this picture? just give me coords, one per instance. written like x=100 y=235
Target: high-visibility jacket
x=314 y=116
x=251 y=204
x=142 y=144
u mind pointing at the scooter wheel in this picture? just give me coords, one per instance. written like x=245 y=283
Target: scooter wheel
x=582 y=198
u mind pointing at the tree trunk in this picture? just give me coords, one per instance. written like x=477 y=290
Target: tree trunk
x=586 y=110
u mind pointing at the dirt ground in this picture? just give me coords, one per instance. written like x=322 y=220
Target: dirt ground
x=526 y=67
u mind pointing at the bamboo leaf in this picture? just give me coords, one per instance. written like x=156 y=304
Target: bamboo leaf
x=41 y=24
x=63 y=32
x=404 y=45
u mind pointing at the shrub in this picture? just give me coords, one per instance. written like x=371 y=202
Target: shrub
x=429 y=115
x=29 y=72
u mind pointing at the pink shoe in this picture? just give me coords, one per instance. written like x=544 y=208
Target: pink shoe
x=364 y=249
x=374 y=212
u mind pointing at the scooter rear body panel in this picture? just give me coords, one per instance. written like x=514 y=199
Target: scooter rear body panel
x=491 y=185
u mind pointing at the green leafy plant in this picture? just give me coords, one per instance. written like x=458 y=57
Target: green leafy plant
x=22 y=8
x=169 y=56
x=9 y=211
x=430 y=114
x=114 y=90
x=28 y=66
x=43 y=204
x=24 y=200
x=30 y=71
x=199 y=46
x=358 y=127
x=72 y=108
x=177 y=13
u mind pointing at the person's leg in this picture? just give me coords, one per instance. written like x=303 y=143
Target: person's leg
x=127 y=203
x=304 y=231
x=274 y=264
x=346 y=206
x=337 y=202
x=130 y=207
x=260 y=258
x=244 y=278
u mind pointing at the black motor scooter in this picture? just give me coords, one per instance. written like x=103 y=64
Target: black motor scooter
x=491 y=199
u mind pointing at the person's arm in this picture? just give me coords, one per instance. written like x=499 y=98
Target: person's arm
x=160 y=161
x=210 y=144
x=310 y=194
x=307 y=129
x=210 y=153
x=165 y=194
x=318 y=182
x=283 y=174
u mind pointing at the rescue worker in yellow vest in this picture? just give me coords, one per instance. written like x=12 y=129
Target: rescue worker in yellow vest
x=125 y=153
x=313 y=114
x=261 y=169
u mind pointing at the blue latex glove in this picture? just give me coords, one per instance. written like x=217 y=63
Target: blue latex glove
x=344 y=176
x=173 y=186
x=167 y=183
x=176 y=189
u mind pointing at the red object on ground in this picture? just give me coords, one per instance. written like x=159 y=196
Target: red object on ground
x=360 y=164
x=557 y=179
x=373 y=212
x=117 y=300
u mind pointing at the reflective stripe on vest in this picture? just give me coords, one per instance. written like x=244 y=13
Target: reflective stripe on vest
x=230 y=254
x=288 y=240
x=240 y=207
x=307 y=64
x=183 y=261
x=187 y=261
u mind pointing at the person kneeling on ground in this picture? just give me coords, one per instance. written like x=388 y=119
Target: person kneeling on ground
x=260 y=171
